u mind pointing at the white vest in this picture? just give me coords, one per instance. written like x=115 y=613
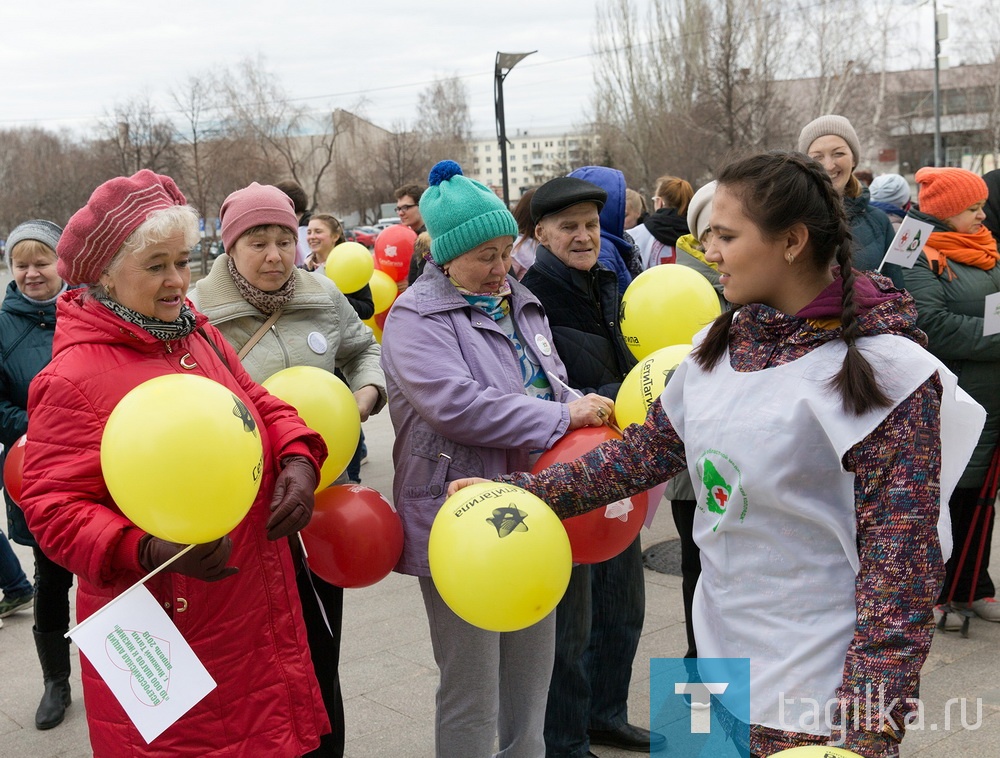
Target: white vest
x=776 y=511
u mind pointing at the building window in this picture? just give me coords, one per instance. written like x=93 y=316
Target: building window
x=489 y=171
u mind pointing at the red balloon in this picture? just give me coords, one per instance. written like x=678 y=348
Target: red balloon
x=13 y=469
x=604 y=532
x=354 y=538
x=393 y=250
x=380 y=318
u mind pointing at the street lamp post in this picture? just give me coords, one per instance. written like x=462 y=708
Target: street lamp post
x=940 y=33
x=505 y=62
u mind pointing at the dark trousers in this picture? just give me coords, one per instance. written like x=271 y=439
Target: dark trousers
x=963 y=508
x=324 y=647
x=598 y=624
x=683 y=512
x=354 y=467
x=52 y=586
x=13 y=582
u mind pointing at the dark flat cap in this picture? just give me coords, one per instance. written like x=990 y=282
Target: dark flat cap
x=562 y=192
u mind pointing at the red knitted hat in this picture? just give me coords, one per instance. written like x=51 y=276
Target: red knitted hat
x=116 y=209
x=256 y=205
x=946 y=192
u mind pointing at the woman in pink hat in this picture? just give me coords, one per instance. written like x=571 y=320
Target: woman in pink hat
x=235 y=598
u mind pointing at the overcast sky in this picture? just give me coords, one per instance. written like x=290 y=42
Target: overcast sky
x=66 y=62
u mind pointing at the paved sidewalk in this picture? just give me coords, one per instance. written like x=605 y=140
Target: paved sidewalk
x=389 y=677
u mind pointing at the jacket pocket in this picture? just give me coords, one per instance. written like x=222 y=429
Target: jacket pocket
x=434 y=462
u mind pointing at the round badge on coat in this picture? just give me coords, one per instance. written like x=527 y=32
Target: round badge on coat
x=543 y=344
x=317 y=343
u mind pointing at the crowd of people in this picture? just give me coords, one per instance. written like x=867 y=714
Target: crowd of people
x=827 y=446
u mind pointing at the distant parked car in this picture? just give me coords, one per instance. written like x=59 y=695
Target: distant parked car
x=387 y=222
x=363 y=234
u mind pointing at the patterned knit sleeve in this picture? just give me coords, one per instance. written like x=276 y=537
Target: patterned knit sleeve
x=648 y=455
x=897 y=469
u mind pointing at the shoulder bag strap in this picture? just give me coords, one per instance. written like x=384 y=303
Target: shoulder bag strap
x=258 y=334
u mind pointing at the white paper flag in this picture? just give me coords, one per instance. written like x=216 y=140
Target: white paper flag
x=991 y=319
x=909 y=241
x=144 y=660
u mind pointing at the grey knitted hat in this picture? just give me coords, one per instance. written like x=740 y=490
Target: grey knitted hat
x=892 y=189
x=37 y=229
x=824 y=125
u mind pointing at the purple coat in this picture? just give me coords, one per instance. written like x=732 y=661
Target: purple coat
x=455 y=387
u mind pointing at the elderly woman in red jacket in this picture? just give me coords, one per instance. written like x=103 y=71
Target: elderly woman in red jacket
x=233 y=599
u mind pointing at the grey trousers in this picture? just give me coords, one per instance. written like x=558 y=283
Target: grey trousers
x=492 y=684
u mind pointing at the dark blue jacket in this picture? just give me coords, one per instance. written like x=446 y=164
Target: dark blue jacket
x=873 y=233
x=25 y=349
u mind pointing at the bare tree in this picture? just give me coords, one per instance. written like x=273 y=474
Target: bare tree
x=443 y=119
x=290 y=142
x=197 y=102
x=138 y=137
x=679 y=90
x=46 y=175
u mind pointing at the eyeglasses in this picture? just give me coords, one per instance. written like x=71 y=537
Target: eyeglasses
x=401 y=208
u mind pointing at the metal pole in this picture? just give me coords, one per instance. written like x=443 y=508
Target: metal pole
x=937 y=90
x=501 y=129
x=505 y=62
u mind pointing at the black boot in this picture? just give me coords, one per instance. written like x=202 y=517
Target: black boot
x=53 y=654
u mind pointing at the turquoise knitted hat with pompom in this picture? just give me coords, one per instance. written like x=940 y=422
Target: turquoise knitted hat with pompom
x=460 y=213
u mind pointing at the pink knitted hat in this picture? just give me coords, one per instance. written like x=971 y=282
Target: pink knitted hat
x=116 y=209
x=256 y=205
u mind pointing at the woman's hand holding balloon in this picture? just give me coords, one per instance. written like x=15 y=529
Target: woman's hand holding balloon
x=366 y=397
x=461 y=484
x=292 y=503
x=206 y=562
x=590 y=410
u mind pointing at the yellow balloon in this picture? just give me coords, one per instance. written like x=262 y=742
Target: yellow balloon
x=645 y=383
x=815 y=751
x=327 y=405
x=499 y=556
x=376 y=329
x=384 y=290
x=350 y=266
x=192 y=419
x=666 y=305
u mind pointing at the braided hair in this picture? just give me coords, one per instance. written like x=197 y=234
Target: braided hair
x=778 y=190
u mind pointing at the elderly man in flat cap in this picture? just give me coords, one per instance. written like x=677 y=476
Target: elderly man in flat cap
x=599 y=620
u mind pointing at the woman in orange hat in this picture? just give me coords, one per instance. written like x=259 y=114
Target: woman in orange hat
x=950 y=282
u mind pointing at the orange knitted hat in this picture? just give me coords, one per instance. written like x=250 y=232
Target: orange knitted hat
x=946 y=192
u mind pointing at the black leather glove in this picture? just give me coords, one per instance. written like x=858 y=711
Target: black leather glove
x=206 y=562
x=292 y=503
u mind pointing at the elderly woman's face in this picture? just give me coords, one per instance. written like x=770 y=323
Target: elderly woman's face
x=154 y=280
x=34 y=268
x=484 y=268
x=265 y=257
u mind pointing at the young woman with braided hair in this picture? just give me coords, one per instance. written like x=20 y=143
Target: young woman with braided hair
x=820 y=437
